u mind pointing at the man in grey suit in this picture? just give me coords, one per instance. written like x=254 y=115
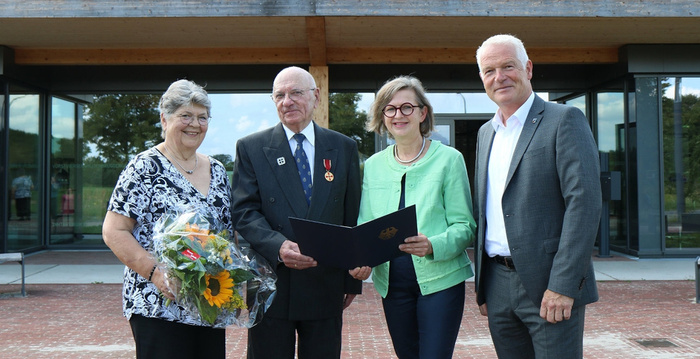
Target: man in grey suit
x=267 y=189
x=538 y=203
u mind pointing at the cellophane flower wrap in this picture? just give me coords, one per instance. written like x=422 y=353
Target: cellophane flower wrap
x=209 y=275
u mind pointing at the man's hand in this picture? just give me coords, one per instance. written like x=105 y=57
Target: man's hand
x=483 y=310
x=292 y=257
x=348 y=300
x=555 y=307
x=361 y=273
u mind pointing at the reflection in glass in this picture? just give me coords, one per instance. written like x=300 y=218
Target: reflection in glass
x=578 y=102
x=611 y=144
x=62 y=182
x=115 y=127
x=23 y=147
x=442 y=134
x=681 y=141
x=346 y=116
x=461 y=103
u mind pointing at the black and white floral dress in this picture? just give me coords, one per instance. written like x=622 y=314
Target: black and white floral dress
x=149 y=186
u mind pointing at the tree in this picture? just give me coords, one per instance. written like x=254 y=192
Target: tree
x=24 y=145
x=345 y=118
x=690 y=137
x=226 y=160
x=120 y=126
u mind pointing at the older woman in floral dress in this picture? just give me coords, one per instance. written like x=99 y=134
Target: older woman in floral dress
x=169 y=176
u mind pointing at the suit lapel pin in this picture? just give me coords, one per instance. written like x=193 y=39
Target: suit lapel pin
x=534 y=120
x=280 y=161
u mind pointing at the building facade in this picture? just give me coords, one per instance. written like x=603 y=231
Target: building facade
x=632 y=67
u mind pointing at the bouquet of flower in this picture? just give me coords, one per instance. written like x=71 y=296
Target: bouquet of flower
x=210 y=276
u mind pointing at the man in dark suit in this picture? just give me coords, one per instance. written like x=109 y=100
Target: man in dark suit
x=268 y=188
x=538 y=204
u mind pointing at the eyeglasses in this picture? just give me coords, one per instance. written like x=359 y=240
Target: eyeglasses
x=187 y=119
x=405 y=108
x=294 y=95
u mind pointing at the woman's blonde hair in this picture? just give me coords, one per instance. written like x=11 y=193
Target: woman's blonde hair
x=375 y=118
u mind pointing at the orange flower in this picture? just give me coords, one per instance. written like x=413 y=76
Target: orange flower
x=200 y=235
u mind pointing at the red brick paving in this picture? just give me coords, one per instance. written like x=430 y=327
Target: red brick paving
x=84 y=321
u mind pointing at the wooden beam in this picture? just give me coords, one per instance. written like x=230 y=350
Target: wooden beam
x=400 y=56
x=244 y=56
x=574 y=56
x=236 y=56
x=369 y=8
x=316 y=37
x=320 y=74
x=465 y=55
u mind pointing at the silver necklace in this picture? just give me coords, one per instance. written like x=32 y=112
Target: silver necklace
x=396 y=153
x=196 y=161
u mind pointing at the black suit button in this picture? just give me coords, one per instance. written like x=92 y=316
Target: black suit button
x=272 y=199
x=279 y=227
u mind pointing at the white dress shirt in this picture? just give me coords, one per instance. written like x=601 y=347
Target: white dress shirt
x=504 y=141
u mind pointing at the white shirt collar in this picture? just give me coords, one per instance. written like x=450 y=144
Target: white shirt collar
x=308 y=132
x=518 y=118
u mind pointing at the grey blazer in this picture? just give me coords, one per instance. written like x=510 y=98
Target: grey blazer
x=551 y=203
x=267 y=191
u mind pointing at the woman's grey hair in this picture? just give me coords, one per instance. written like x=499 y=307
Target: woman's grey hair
x=375 y=121
x=182 y=93
x=504 y=39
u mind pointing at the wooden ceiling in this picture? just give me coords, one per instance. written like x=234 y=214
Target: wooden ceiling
x=324 y=40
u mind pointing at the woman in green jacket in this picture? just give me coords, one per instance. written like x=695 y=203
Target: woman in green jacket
x=422 y=291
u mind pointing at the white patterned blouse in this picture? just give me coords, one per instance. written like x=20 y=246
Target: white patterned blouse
x=147 y=188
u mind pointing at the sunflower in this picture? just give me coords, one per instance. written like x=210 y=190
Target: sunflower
x=219 y=288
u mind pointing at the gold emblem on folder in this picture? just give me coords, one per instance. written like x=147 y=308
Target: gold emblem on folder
x=388 y=233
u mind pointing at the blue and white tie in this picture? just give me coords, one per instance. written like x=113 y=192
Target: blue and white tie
x=303 y=166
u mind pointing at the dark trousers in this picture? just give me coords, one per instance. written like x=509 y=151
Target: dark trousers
x=517 y=330
x=23 y=206
x=157 y=338
x=421 y=326
x=276 y=338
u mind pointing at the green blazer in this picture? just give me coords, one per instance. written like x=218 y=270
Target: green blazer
x=439 y=187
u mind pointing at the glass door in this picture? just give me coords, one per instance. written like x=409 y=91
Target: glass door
x=681 y=148
x=64 y=154
x=24 y=194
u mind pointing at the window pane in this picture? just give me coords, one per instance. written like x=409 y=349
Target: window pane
x=461 y=103
x=63 y=172
x=115 y=127
x=578 y=102
x=23 y=147
x=235 y=116
x=611 y=144
x=681 y=141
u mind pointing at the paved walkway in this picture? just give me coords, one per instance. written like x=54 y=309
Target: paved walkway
x=75 y=267
x=73 y=310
